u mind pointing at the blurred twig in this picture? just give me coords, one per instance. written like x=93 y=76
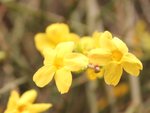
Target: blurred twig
x=146 y=9
x=135 y=106
x=92 y=10
x=76 y=18
x=11 y=85
x=111 y=98
x=134 y=82
x=79 y=81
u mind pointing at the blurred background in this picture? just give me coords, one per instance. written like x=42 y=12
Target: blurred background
x=20 y=20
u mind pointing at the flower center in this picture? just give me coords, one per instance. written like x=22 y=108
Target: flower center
x=116 y=55
x=21 y=108
x=58 y=62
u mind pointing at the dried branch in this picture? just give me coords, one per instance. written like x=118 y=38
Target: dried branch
x=11 y=85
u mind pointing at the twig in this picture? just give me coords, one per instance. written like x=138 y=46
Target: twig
x=93 y=11
x=92 y=15
x=111 y=98
x=134 y=82
x=91 y=96
x=79 y=81
x=146 y=9
x=135 y=106
x=12 y=85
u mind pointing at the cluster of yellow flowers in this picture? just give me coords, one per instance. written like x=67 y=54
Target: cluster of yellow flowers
x=99 y=55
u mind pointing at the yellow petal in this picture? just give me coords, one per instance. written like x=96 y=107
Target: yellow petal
x=49 y=56
x=107 y=35
x=38 y=108
x=13 y=99
x=42 y=42
x=92 y=75
x=64 y=48
x=44 y=75
x=106 y=41
x=25 y=111
x=99 y=56
x=121 y=46
x=60 y=28
x=63 y=79
x=101 y=73
x=72 y=37
x=13 y=110
x=75 y=61
x=112 y=74
x=28 y=97
x=56 y=32
x=86 y=44
x=96 y=37
x=131 y=64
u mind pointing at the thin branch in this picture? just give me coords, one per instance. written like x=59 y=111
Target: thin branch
x=111 y=98
x=134 y=82
x=92 y=15
x=11 y=85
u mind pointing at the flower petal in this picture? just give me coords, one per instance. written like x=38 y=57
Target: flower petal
x=42 y=42
x=13 y=99
x=96 y=37
x=38 y=108
x=72 y=37
x=86 y=43
x=121 y=46
x=107 y=35
x=131 y=64
x=28 y=97
x=44 y=75
x=60 y=28
x=99 y=56
x=25 y=111
x=56 y=32
x=64 y=48
x=63 y=79
x=75 y=61
x=112 y=74
x=49 y=56
x=106 y=41
x=92 y=75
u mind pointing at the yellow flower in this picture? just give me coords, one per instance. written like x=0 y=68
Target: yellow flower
x=114 y=56
x=59 y=63
x=92 y=74
x=55 y=33
x=85 y=44
x=24 y=104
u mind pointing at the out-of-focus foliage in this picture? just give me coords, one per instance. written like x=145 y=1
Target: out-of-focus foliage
x=142 y=38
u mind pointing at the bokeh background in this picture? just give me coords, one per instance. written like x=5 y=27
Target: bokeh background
x=20 y=20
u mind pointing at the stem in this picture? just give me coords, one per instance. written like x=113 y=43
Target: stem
x=111 y=98
x=92 y=15
x=134 y=82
